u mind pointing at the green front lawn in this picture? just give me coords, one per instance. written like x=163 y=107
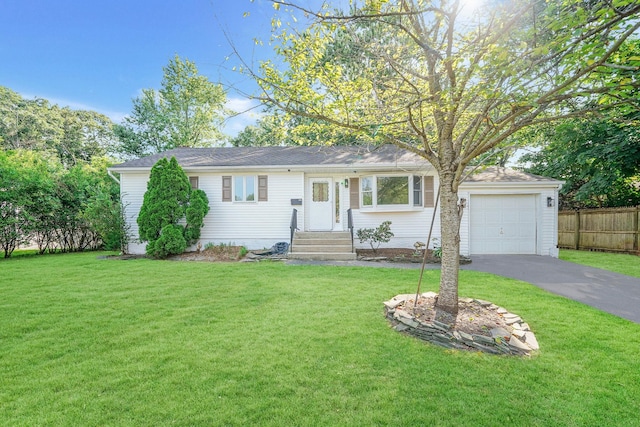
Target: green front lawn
x=85 y=341
x=619 y=263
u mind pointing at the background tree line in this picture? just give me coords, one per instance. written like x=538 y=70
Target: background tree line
x=54 y=188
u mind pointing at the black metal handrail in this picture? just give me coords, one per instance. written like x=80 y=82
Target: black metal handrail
x=293 y=226
x=350 y=225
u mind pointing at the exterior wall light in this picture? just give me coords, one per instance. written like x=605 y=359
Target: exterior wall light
x=549 y=202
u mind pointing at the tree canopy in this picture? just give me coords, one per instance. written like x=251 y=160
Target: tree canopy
x=56 y=208
x=447 y=85
x=598 y=160
x=187 y=111
x=74 y=136
x=598 y=157
x=282 y=129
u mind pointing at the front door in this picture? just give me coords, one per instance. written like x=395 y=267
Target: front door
x=321 y=209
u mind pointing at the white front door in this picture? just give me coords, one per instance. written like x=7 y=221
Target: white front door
x=321 y=207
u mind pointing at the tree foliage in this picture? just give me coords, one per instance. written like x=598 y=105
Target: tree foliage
x=283 y=129
x=597 y=157
x=43 y=203
x=167 y=201
x=448 y=86
x=187 y=111
x=598 y=160
x=74 y=136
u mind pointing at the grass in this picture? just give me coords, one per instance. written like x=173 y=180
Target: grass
x=94 y=342
x=619 y=263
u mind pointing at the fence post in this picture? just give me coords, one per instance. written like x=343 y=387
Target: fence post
x=636 y=229
x=576 y=235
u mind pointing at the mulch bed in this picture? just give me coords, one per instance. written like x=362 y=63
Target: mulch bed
x=401 y=255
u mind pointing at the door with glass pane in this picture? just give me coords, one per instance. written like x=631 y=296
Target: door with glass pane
x=321 y=206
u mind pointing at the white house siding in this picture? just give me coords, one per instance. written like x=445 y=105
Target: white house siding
x=255 y=225
x=549 y=228
x=408 y=227
x=259 y=225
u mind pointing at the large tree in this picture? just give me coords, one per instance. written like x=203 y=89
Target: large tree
x=599 y=160
x=75 y=136
x=597 y=157
x=187 y=111
x=443 y=83
x=284 y=129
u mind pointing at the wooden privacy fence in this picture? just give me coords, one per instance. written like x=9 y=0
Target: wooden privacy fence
x=608 y=229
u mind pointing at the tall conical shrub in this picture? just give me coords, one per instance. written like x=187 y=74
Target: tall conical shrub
x=167 y=201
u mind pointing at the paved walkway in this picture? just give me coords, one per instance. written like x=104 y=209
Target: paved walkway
x=611 y=292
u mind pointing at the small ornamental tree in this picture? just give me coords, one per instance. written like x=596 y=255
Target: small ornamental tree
x=375 y=236
x=168 y=200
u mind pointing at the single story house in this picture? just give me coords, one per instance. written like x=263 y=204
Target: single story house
x=253 y=192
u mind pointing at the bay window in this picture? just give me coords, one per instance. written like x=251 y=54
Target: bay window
x=391 y=191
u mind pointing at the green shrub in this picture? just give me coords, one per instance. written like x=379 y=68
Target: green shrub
x=243 y=252
x=375 y=236
x=168 y=200
x=195 y=213
x=165 y=200
x=437 y=248
x=170 y=242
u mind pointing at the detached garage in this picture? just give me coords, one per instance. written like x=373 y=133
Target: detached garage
x=510 y=212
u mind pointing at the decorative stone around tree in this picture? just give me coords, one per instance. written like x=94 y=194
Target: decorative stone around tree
x=501 y=332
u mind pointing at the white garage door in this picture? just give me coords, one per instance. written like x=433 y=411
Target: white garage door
x=503 y=224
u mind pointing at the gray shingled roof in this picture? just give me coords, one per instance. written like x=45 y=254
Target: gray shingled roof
x=311 y=156
x=496 y=174
x=279 y=156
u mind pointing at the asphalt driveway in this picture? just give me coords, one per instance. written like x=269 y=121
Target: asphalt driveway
x=611 y=292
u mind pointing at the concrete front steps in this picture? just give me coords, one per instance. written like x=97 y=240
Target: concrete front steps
x=322 y=246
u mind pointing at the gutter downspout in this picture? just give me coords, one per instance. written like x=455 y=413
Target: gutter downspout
x=113 y=176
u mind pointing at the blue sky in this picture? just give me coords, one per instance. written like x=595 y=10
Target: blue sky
x=99 y=55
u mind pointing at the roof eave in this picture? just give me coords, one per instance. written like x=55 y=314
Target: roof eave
x=354 y=167
x=479 y=184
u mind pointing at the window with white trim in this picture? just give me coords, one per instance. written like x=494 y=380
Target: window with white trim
x=391 y=190
x=244 y=188
x=417 y=190
x=366 y=190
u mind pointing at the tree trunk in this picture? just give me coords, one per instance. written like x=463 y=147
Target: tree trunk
x=447 y=304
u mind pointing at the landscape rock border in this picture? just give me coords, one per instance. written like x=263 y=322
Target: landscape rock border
x=516 y=339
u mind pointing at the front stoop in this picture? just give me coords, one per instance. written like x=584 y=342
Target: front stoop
x=322 y=246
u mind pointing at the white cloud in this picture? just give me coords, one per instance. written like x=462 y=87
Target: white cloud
x=115 y=116
x=247 y=112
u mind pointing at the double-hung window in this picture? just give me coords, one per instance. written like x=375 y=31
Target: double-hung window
x=366 y=190
x=417 y=190
x=244 y=188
